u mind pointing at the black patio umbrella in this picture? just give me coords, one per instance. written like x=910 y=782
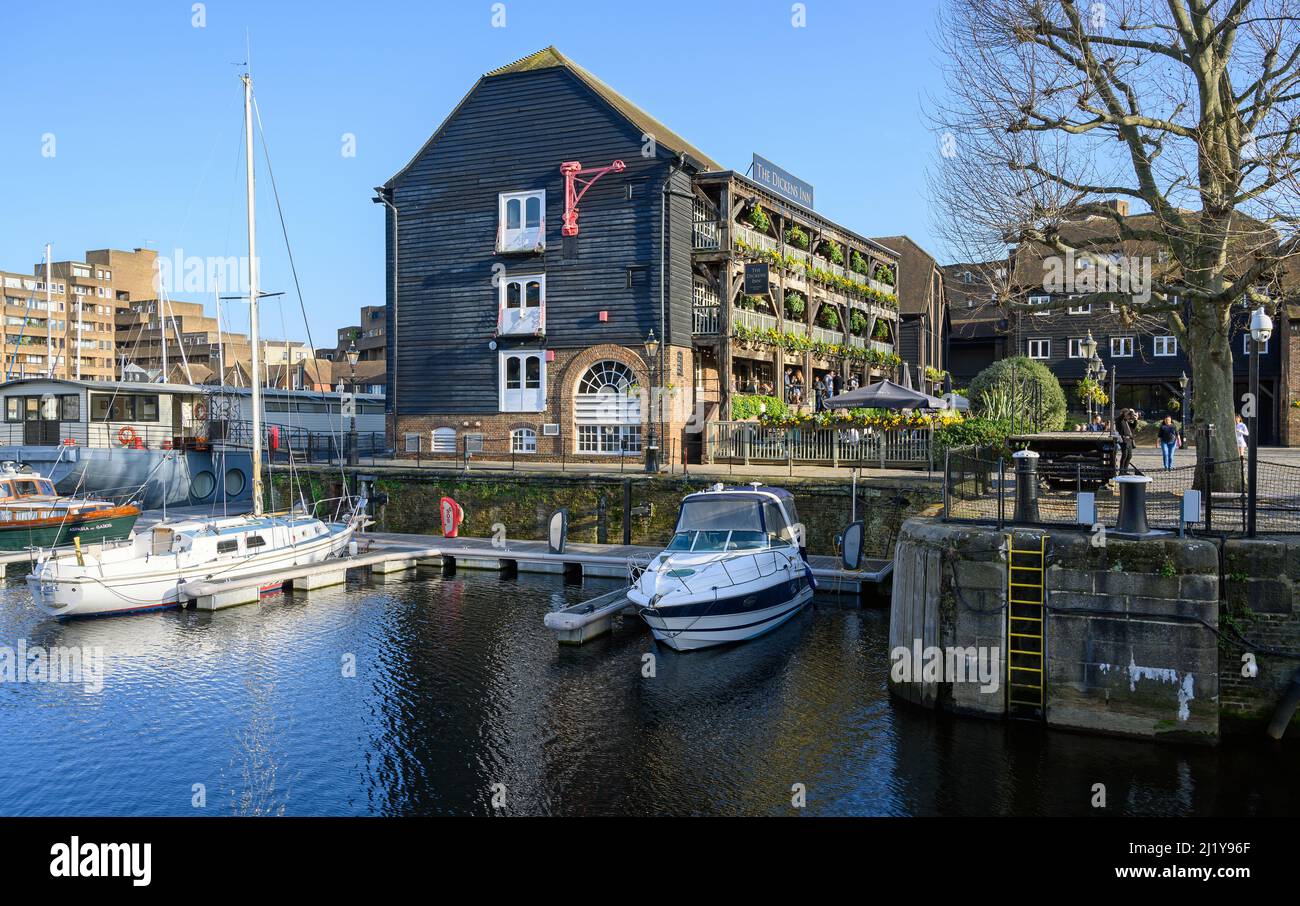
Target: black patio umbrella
x=885 y=395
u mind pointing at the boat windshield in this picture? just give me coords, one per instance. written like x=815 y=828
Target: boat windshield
x=720 y=524
x=31 y=487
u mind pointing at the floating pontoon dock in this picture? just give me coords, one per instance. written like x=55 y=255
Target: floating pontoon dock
x=386 y=554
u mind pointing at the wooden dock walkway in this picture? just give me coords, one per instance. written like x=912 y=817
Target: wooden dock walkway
x=386 y=554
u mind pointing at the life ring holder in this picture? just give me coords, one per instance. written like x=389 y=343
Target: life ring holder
x=200 y=411
x=127 y=436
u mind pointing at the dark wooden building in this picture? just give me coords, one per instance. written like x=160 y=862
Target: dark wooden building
x=923 y=327
x=1145 y=362
x=510 y=330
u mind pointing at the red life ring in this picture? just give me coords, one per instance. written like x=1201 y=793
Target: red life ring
x=452 y=515
x=127 y=436
x=200 y=411
x=274 y=437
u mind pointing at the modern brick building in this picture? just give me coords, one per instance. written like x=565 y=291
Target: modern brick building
x=72 y=334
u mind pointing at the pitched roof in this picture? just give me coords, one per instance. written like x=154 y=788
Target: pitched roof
x=550 y=58
x=915 y=273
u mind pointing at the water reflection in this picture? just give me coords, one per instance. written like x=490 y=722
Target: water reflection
x=459 y=695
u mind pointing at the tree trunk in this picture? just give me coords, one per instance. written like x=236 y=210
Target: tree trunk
x=1209 y=352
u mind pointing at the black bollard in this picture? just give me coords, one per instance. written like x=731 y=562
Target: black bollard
x=1026 y=485
x=1133 y=504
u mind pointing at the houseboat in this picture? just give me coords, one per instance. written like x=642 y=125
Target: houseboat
x=175 y=444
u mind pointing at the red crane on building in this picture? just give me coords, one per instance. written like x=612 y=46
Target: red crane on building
x=576 y=183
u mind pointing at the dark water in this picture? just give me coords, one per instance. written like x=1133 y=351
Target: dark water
x=459 y=688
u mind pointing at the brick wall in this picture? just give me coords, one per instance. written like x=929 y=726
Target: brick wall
x=562 y=378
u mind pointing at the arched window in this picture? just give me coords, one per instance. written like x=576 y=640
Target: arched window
x=607 y=409
x=523 y=440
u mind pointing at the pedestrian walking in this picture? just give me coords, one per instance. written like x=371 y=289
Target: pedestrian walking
x=1168 y=435
x=1243 y=437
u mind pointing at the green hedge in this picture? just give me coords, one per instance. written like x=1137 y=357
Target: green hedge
x=745 y=407
x=987 y=433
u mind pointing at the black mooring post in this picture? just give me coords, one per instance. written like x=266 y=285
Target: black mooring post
x=1026 y=485
x=1002 y=485
x=602 y=521
x=627 y=511
x=1208 y=459
x=1132 y=504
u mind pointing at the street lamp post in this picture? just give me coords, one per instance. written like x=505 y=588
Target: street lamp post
x=1089 y=350
x=1183 y=381
x=1261 y=328
x=353 y=355
x=652 y=444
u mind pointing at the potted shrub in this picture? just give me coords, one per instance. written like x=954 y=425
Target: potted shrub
x=828 y=317
x=794 y=304
x=858 y=263
x=758 y=218
x=797 y=237
x=858 y=322
x=884 y=275
x=881 y=332
x=831 y=250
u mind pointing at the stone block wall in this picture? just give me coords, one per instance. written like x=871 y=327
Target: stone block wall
x=1130 y=643
x=1130 y=625
x=1261 y=616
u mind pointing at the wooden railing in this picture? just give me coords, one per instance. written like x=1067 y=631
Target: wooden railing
x=751 y=442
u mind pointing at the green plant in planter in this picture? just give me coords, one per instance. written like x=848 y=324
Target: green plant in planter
x=829 y=317
x=881 y=332
x=797 y=237
x=858 y=322
x=831 y=249
x=858 y=263
x=794 y=304
x=758 y=218
x=884 y=275
x=748 y=303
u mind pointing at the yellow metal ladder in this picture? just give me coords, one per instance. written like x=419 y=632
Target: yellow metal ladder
x=1026 y=662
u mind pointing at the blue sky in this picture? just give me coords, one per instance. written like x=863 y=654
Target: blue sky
x=145 y=113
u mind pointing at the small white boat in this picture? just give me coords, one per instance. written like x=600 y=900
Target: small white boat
x=148 y=571
x=735 y=569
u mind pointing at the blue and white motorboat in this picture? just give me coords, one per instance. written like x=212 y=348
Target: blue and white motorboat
x=735 y=569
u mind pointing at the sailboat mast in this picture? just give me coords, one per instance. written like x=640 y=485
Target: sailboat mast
x=252 y=300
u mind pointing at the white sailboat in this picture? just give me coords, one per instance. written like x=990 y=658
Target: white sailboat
x=148 y=571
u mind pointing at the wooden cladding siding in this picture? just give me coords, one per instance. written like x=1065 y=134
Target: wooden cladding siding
x=509 y=135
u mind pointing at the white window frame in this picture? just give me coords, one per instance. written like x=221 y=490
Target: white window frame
x=1044 y=345
x=523 y=238
x=1132 y=347
x=523 y=398
x=1040 y=299
x=1085 y=309
x=1246 y=343
x=523 y=440
x=1074 y=347
x=1167 y=342
x=529 y=321
x=607 y=421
